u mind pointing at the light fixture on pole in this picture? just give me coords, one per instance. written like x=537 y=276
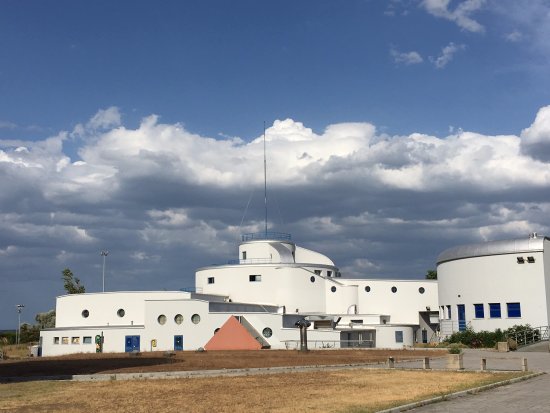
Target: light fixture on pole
x=104 y=254
x=18 y=335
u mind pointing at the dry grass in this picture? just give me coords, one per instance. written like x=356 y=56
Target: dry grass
x=16 y=351
x=331 y=391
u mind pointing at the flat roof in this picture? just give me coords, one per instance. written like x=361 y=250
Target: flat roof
x=512 y=246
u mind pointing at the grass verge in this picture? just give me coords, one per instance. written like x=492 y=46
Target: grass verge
x=332 y=391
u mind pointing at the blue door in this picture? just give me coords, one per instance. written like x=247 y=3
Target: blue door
x=461 y=317
x=178 y=343
x=131 y=344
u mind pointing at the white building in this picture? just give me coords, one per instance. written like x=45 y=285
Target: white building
x=494 y=285
x=272 y=285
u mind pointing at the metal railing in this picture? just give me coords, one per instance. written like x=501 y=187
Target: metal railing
x=327 y=344
x=524 y=336
x=251 y=261
x=266 y=235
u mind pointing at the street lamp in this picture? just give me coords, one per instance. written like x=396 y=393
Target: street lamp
x=18 y=335
x=104 y=254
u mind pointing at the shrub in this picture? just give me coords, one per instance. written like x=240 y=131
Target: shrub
x=455 y=349
x=480 y=339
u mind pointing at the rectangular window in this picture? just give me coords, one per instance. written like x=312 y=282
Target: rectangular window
x=317 y=272
x=448 y=312
x=479 y=311
x=210 y=280
x=244 y=255
x=530 y=260
x=494 y=310
x=56 y=340
x=87 y=340
x=254 y=278
x=514 y=309
x=329 y=273
x=75 y=340
x=64 y=340
x=399 y=336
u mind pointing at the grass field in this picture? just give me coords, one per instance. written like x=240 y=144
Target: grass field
x=332 y=391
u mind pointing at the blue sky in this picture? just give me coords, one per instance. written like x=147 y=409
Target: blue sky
x=399 y=128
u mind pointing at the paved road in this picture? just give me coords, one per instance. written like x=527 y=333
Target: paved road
x=527 y=396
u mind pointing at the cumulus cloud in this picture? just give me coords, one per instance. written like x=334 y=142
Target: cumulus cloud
x=406 y=58
x=164 y=200
x=461 y=15
x=535 y=140
x=447 y=55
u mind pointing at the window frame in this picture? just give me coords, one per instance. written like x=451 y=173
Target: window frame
x=399 y=336
x=514 y=310
x=479 y=311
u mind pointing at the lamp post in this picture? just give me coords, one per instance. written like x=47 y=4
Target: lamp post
x=104 y=254
x=18 y=335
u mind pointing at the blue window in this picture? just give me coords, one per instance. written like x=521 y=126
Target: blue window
x=514 y=309
x=494 y=310
x=398 y=336
x=479 y=311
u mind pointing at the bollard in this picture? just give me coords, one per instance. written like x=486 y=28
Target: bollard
x=426 y=364
x=524 y=364
x=391 y=362
x=483 y=364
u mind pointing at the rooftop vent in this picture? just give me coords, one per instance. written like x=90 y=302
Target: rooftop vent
x=533 y=235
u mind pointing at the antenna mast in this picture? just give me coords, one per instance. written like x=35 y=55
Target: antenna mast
x=265 y=184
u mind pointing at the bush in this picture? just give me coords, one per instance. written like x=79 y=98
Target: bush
x=472 y=339
x=455 y=348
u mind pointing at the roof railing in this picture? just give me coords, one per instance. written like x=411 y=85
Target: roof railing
x=269 y=235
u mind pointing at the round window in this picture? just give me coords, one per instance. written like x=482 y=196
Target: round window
x=216 y=330
x=267 y=332
x=312 y=279
x=333 y=289
x=85 y=313
x=161 y=319
x=421 y=290
x=367 y=288
x=394 y=289
x=121 y=312
x=178 y=319
x=196 y=319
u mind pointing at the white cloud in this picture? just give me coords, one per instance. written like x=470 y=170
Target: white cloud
x=4 y=124
x=460 y=15
x=447 y=55
x=514 y=36
x=358 y=195
x=406 y=58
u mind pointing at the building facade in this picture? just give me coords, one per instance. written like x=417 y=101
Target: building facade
x=272 y=285
x=494 y=285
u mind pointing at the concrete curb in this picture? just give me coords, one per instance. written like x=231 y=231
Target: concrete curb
x=455 y=395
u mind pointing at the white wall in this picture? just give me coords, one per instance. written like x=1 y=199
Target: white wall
x=403 y=306
x=103 y=307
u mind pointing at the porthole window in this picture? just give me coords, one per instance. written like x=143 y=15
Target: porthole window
x=333 y=289
x=178 y=319
x=216 y=330
x=367 y=288
x=120 y=312
x=195 y=319
x=85 y=313
x=312 y=279
x=161 y=319
x=421 y=290
x=267 y=332
x=394 y=289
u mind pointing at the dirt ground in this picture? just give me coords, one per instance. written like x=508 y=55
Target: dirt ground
x=188 y=360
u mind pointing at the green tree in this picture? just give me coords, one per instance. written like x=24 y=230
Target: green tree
x=71 y=283
x=45 y=320
x=431 y=275
x=29 y=333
